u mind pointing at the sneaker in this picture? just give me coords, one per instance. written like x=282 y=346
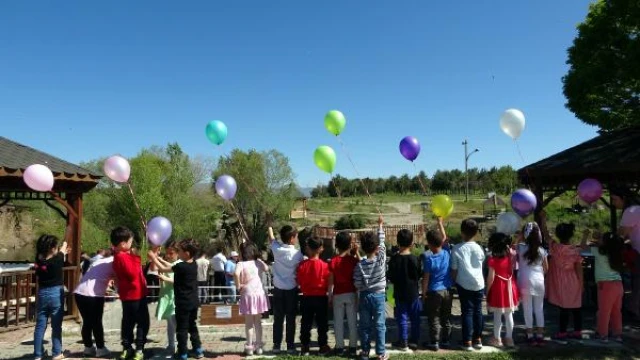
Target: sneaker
x=340 y=352
x=467 y=346
x=258 y=351
x=603 y=339
x=445 y=345
x=324 y=350
x=495 y=342
x=276 y=349
x=433 y=347
x=305 y=350
x=477 y=344
x=104 y=352
x=384 y=356
x=291 y=349
x=248 y=350
x=59 y=357
x=126 y=354
x=531 y=341
x=560 y=338
x=540 y=341
x=198 y=353
x=139 y=355
x=413 y=345
x=576 y=335
x=618 y=339
x=89 y=351
x=352 y=352
x=508 y=342
x=401 y=345
x=182 y=357
x=364 y=355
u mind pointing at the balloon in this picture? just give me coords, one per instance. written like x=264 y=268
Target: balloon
x=507 y=223
x=226 y=187
x=335 y=122
x=216 y=132
x=410 y=148
x=325 y=158
x=590 y=190
x=159 y=230
x=523 y=202
x=442 y=206
x=512 y=123
x=38 y=177
x=117 y=169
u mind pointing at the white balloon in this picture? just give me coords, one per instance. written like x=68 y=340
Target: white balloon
x=512 y=123
x=508 y=223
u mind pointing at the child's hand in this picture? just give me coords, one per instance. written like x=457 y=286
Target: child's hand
x=270 y=233
x=440 y=221
x=380 y=220
x=151 y=254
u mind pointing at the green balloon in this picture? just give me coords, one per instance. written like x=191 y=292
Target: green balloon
x=335 y=122
x=325 y=158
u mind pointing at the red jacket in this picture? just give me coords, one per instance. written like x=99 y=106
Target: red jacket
x=129 y=277
x=313 y=277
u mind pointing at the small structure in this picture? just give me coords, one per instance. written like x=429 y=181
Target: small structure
x=299 y=213
x=493 y=206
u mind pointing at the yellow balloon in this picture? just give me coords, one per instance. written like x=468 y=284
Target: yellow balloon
x=442 y=206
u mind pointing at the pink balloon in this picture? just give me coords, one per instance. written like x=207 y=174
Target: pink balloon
x=590 y=190
x=38 y=177
x=117 y=169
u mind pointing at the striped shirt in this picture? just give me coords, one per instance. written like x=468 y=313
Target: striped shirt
x=370 y=274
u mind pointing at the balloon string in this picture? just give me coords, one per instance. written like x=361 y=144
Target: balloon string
x=424 y=189
x=235 y=210
x=366 y=189
x=135 y=202
x=524 y=162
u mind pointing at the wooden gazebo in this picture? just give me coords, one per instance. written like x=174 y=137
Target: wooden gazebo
x=613 y=158
x=71 y=182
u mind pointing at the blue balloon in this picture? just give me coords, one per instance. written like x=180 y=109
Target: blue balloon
x=523 y=202
x=216 y=132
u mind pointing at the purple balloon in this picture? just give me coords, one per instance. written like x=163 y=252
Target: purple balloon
x=410 y=148
x=590 y=190
x=226 y=187
x=523 y=202
x=159 y=230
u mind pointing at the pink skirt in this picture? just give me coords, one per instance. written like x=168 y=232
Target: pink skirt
x=253 y=304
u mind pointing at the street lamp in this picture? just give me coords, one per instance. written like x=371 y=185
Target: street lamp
x=467 y=155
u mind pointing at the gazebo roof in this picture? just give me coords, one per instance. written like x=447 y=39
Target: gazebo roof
x=15 y=158
x=611 y=158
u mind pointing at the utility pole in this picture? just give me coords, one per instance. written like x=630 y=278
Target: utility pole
x=466 y=167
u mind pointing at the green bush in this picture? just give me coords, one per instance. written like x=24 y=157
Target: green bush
x=351 y=221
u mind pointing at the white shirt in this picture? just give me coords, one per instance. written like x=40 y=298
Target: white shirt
x=95 y=281
x=203 y=268
x=286 y=260
x=467 y=258
x=530 y=276
x=217 y=262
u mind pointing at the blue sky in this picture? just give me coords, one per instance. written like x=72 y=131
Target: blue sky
x=85 y=79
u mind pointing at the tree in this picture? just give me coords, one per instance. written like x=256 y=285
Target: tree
x=602 y=85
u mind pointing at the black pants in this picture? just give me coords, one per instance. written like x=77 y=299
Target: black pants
x=564 y=319
x=186 y=326
x=285 y=304
x=135 y=312
x=314 y=308
x=219 y=279
x=91 y=309
x=438 y=306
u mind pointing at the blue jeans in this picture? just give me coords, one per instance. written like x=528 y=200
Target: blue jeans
x=472 y=318
x=50 y=305
x=405 y=312
x=372 y=318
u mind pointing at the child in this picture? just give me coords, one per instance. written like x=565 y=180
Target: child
x=166 y=305
x=343 y=292
x=370 y=279
x=50 y=301
x=502 y=293
x=404 y=274
x=253 y=300
x=132 y=289
x=203 y=272
x=285 y=287
x=532 y=262
x=436 y=288
x=313 y=277
x=608 y=266
x=90 y=297
x=185 y=288
x=466 y=268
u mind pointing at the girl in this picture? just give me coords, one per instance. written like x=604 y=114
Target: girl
x=608 y=265
x=626 y=200
x=502 y=294
x=532 y=263
x=48 y=266
x=253 y=301
x=166 y=304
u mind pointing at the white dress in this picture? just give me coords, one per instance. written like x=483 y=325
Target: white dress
x=530 y=276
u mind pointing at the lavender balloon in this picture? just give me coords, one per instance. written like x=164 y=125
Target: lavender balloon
x=410 y=148
x=117 y=169
x=159 y=230
x=38 y=177
x=523 y=202
x=590 y=190
x=226 y=187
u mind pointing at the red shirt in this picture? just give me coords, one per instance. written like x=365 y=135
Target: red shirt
x=342 y=268
x=129 y=277
x=313 y=277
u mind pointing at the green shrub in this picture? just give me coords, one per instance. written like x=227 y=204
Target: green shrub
x=351 y=221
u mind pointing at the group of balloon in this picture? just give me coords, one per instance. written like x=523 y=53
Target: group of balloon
x=39 y=177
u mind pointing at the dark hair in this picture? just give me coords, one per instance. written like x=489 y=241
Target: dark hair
x=369 y=242
x=564 y=232
x=248 y=251
x=435 y=238
x=120 y=234
x=287 y=233
x=534 y=241
x=613 y=245
x=44 y=244
x=314 y=243
x=343 y=241
x=405 y=238
x=469 y=228
x=190 y=246
x=499 y=244
x=171 y=244
x=628 y=197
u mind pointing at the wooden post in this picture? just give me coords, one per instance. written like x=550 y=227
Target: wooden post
x=74 y=227
x=539 y=193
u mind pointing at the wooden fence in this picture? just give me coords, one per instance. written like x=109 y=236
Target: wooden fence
x=390 y=231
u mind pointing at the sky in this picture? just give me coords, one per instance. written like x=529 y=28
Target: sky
x=85 y=79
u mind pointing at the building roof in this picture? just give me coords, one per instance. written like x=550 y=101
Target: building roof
x=611 y=158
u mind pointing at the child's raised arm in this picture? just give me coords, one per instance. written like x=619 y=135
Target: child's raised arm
x=272 y=238
x=161 y=264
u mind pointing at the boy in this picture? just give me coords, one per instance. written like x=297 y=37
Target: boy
x=466 y=269
x=185 y=288
x=203 y=273
x=436 y=288
x=285 y=287
x=343 y=292
x=370 y=280
x=313 y=276
x=404 y=274
x=132 y=289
